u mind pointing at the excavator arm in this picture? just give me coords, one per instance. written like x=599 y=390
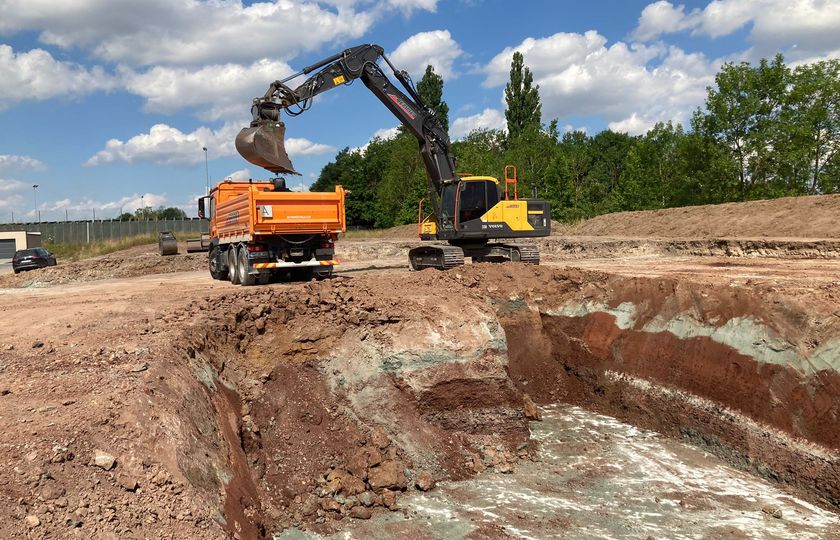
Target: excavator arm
x=263 y=142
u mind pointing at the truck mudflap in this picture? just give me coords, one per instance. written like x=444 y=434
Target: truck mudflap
x=260 y=266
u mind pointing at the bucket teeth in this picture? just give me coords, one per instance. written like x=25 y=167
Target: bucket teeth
x=264 y=146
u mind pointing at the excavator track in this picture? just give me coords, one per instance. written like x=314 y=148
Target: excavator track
x=440 y=256
x=499 y=253
x=528 y=253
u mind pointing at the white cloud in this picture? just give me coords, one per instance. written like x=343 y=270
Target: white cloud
x=382 y=133
x=187 y=32
x=37 y=75
x=486 y=119
x=634 y=125
x=11 y=162
x=305 y=147
x=240 y=175
x=579 y=75
x=660 y=18
x=9 y=186
x=129 y=203
x=166 y=145
x=299 y=188
x=214 y=91
x=436 y=48
x=408 y=6
x=798 y=28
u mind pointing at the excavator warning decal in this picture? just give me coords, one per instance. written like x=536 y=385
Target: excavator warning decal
x=402 y=105
x=338 y=80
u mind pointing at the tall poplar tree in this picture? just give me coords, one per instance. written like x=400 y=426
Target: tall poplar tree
x=522 y=98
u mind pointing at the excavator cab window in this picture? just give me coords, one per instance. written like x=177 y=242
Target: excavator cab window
x=475 y=198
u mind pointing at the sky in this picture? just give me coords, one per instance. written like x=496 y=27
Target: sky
x=106 y=105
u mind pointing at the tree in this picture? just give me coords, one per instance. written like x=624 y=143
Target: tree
x=170 y=213
x=743 y=115
x=810 y=122
x=523 y=100
x=430 y=89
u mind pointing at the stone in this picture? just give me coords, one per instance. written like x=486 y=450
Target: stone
x=351 y=485
x=379 y=438
x=424 y=481
x=104 y=460
x=31 y=521
x=367 y=498
x=37 y=344
x=532 y=412
x=772 y=511
x=5 y=391
x=330 y=505
x=309 y=506
x=389 y=499
x=127 y=482
x=51 y=491
x=362 y=460
x=360 y=512
x=387 y=475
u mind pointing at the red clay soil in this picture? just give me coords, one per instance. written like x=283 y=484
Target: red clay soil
x=788 y=217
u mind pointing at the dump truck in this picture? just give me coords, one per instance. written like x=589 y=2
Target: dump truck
x=262 y=229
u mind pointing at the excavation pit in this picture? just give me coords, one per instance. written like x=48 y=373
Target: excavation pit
x=667 y=406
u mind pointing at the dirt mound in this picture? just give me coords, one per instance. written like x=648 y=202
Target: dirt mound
x=133 y=262
x=788 y=217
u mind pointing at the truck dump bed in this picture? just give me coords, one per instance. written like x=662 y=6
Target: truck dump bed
x=247 y=210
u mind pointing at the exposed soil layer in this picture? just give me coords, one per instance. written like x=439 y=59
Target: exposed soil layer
x=751 y=377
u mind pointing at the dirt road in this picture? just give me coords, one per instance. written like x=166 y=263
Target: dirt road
x=142 y=398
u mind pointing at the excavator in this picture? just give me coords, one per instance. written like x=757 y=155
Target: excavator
x=474 y=215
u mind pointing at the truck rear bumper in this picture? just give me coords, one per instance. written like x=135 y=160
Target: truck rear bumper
x=267 y=265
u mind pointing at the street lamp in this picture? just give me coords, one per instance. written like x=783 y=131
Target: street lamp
x=35 y=196
x=206 y=171
x=143 y=206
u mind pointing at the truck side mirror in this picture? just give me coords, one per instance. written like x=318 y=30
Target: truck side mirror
x=201 y=212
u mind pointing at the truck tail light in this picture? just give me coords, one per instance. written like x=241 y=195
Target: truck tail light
x=255 y=247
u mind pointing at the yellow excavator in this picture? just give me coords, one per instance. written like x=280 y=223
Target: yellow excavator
x=469 y=213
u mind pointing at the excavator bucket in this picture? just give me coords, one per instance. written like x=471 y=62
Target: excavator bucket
x=264 y=145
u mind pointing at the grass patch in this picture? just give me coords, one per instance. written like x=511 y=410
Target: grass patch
x=75 y=252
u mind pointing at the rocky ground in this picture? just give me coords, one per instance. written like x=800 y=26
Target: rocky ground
x=143 y=399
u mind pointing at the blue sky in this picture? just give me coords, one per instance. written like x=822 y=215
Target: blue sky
x=107 y=103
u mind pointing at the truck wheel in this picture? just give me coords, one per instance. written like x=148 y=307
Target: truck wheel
x=233 y=275
x=217 y=269
x=245 y=278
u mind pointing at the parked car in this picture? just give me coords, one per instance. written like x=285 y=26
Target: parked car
x=29 y=259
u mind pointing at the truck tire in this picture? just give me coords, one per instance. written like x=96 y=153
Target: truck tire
x=233 y=274
x=245 y=278
x=217 y=269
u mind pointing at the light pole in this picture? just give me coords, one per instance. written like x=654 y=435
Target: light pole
x=143 y=206
x=206 y=172
x=35 y=196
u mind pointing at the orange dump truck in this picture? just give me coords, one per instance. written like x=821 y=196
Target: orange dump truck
x=261 y=229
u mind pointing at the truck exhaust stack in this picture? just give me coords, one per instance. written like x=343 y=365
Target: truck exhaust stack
x=264 y=145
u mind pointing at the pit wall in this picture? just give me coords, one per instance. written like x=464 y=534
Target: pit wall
x=750 y=377
x=327 y=404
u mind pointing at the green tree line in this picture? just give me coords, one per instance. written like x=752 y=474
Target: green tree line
x=765 y=131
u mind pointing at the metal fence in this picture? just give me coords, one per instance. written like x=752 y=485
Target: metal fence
x=81 y=232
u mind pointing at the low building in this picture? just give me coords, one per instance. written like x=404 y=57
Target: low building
x=11 y=241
